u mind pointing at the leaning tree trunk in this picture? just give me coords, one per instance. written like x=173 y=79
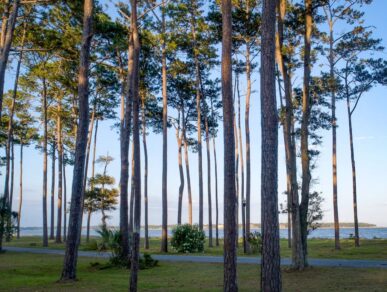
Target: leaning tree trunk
x=209 y=185
x=20 y=190
x=164 y=233
x=137 y=157
x=53 y=158
x=58 y=238
x=75 y=223
x=45 y=122
x=290 y=147
x=306 y=108
x=7 y=37
x=230 y=235
x=271 y=266
x=354 y=189
x=146 y=239
x=188 y=177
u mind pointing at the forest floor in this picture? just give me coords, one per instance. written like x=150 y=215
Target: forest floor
x=35 y=272
x=371 y=249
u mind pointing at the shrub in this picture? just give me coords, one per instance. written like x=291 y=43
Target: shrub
x=255 y=241
x=147 y=262
x=110 y=240
x=188 y=238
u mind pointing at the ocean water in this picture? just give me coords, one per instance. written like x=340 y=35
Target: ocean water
x=327 y=233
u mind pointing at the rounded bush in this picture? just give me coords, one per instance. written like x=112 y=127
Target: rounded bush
x=188 y=238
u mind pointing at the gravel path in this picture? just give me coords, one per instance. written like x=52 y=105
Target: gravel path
x=216 y=259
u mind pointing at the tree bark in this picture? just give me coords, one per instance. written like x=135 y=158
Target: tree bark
x=270 y=268
x=88 y=225
x=131 y=206
x=20 y=191
x=353 y=164
x=53 y=158
x=247 y=135
x=230 y=235
x=164 y=233
x=75 y=223
x=179 y=138
x=58 y=238
x=88 y=146
x=334 y=135
x=290 y=147
x=64 y=200
x=306 y=108
x=146 y=240
x=236 y=172
x=209 y=185
x=7 y=37
x=216 y=195
x=188 y=178
x=137 y=150
x=45 y=121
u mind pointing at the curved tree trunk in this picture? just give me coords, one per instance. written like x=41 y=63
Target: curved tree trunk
x=20 y=191
x=75 y=223
x=230 y=235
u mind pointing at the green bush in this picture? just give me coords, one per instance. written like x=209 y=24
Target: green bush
x=255 y=241
x=110 y=240
x=188 y=238
x=147 y=262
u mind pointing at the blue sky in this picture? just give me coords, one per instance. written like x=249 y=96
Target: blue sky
x=370 y=131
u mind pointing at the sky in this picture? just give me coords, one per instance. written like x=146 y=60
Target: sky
x=370 y=132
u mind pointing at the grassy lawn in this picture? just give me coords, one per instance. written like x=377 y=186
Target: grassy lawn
x=31 y=272
x=318 y=248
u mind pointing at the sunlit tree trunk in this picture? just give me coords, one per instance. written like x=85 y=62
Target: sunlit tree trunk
x=179 y=138
x=76 y=210
x=188 y=178
x=20 y=190
x=146 y=239
x=230 y=234
x=271 y=266
x=64 y=200
x=58 y=238
x=209 y=184
x=53 y=159
x=88 y=146
x=45 y=121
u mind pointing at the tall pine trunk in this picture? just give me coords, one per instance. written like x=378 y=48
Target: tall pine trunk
x=247 y=137
x=137 y=157
x=306 y=108
x=270 y=268
x=58 y=238
x=179 y=138
x=209 y=184
x=290 y=147
x=188 y=177
x=88 y=146
x=53 y=159
x=76 y=210
x=144 y=143
x=164 y=233
x=20 y=190
x=45 y=122
x=64 y=200
x=230 y=235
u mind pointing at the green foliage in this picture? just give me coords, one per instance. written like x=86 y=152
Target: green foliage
x=91 y=245
x=147 y=262
x=255 y=241
x=8 y=220
x=110 y=240
x=188 y=238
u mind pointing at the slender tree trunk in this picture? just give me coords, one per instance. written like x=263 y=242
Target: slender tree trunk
x=132 y=198
x=75 y=223
x=45 y=122
x=164 y=233
x=146 y=242
x=12 y=171
x=354 y=189
x=64 y=201
x=137 y=150
x=188 y=178
x=88 y=146
x=7 y=37
x=306 y=108
x=88 y=225
x=58 y=238
x=53 y=158
x=179 y=138
x=236 y=172
x=270 y=269
x=95 y=149
x=230 y=235
x=4 y=22
x=209 y=184
x=20 y=191
x=334 y=139
x=247 y=135
x=290 y=148
x=216 y=195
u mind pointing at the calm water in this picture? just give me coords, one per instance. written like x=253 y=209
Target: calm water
x=368 y=233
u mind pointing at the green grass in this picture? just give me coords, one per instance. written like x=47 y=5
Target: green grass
x=318 y=248
x=32 y=272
